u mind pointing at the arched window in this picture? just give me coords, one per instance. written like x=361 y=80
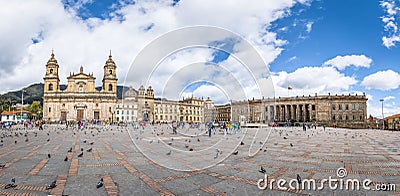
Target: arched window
x=110 y=87
x=50 y=87
x=51 y=71
x=110 y=71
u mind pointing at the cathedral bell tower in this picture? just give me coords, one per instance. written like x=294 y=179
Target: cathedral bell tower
x=110 y=76
x=51 y=79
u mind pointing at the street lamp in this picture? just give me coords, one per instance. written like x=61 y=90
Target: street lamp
x=22 y=102
x=383 y=121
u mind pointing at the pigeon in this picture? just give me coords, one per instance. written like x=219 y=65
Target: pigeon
x=15 y=141
x=26 y=140
x=198 y=139
x=84 y=141
x=284 y=138
x=235 y=153
x=100 y=183
x=2 y=165
x=49 y=156
x=262 y=170
x=216 y=156
x=48 y=140
x=70 y=149
x=52 y=185
x=170 y=143
x=291 y=144
x=191 y=149
x=89 y=150
x=298 y=179
x=80 y=155
x=66 y=158
x=11 y=184
x=91 y=143
x=81 y=149
x=242 y=143
x=169 y=153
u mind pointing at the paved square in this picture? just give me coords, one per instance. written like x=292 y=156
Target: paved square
x=137 y=161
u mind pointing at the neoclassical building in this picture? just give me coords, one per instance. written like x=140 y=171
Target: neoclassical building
x=80 y=100
x=141 y=105
x=330 y=110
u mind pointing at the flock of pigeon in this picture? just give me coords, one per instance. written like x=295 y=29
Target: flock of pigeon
x=161 y=130
x=17 y=132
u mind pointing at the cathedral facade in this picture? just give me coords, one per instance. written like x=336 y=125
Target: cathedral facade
x=80 y=100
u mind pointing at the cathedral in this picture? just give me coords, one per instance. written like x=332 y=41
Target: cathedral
x=80 y=100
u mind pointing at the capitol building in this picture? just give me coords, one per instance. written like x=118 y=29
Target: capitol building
x=81 y=100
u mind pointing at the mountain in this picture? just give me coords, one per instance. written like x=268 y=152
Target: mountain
x=34 y=92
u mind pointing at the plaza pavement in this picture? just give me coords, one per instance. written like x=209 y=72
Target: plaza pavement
x=139 y=161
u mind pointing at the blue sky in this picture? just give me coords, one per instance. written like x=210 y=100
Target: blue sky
x=315 y=46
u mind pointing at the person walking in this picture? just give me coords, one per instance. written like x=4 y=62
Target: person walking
x=210 y=127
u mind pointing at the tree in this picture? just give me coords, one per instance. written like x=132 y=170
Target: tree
x=35 y=108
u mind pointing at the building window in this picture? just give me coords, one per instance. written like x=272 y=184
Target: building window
x=361 y=117
x=313 y=107
x=110 y=72
x=333 y=117
x=354 y=117
x=50 y=87
x=360 y=107
x=117 y=111
x=340 y=106
x=49 y=109
x=353 y=107
x=347 y=117
x=347 y=106
x=110 y=87
x=51 y=71
x=127 y=112
x=340 y=117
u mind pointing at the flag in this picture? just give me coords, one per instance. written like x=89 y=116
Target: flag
x=289 y=87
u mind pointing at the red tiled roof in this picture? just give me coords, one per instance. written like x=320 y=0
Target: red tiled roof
x=392 y=116
x=16 y=112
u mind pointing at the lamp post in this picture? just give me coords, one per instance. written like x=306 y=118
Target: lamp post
x=383 y=121
x=22 y=102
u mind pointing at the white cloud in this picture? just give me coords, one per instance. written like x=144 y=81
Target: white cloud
x=311 y=80
x=292 y=58
x=390 y=41
x=391 y=28
x=86 y=42
x=382 y=80
x=389 y=98
x=309 y=26
x=341 y=62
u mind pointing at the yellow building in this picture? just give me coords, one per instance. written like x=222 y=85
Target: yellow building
x=80 y=100
x=392 y=122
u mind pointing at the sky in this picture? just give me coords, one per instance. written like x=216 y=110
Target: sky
x=313 y=46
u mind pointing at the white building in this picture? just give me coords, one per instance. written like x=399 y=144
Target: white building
x=15 y=116
x=127 y=107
